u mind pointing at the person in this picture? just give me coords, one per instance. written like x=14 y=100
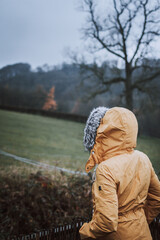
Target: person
x=126 y=190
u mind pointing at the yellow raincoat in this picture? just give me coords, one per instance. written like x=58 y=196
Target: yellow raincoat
x=126 y=192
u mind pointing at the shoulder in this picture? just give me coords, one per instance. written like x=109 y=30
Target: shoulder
x=142 y=154
x=120 y=164
x=104 y=170
x=142 y=157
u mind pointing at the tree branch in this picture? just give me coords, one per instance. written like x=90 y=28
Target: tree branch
x=138 y=83
x=95 y=93
x=96 y=32
x=121 y=30
x=143 y=30
x=114 y=80
x=129 y=21
x=100 y=72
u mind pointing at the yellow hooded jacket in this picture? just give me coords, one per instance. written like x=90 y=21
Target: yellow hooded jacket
x=126 y=192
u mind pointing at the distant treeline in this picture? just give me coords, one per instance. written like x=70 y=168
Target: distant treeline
x=64 y=89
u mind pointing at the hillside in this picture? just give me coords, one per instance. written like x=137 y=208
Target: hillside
x=74 y=91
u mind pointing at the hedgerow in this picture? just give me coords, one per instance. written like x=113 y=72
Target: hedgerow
x=41 y=201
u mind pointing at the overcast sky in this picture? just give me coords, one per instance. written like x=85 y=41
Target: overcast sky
x=38 y=31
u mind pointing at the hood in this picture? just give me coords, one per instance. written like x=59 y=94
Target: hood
x=92 y=124
x=116 y=134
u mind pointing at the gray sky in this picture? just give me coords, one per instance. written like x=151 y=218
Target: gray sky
x=38 y=31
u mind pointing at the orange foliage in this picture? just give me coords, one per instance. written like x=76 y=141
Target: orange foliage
x=50 y=103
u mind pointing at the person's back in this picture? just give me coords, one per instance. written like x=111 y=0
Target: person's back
x=126 y=192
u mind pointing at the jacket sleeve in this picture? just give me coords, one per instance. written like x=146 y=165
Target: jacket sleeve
x=105 y=201
x=152 y=208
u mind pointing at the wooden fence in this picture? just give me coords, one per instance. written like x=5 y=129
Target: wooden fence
x=71 y=232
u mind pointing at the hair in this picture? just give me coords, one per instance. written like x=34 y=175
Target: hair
x=93 y=122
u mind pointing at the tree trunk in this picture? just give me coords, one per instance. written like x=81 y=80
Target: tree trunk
x=128 y=87
x=129 y=98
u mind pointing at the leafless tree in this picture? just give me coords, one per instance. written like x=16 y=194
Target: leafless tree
x=127 y=31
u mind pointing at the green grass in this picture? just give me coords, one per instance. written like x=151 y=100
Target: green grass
x=151 y=147
x=48 y=140
x=53 y=141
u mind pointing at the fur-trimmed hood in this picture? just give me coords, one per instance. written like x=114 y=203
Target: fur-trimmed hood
x=109 y=132
x=92 y=124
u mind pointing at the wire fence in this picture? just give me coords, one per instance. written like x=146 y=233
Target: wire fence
x=40 y=164
x=71 y=232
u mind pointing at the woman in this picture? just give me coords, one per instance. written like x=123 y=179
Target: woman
x=126 y=191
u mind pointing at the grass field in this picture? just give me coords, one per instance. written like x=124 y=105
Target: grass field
x=53 y=141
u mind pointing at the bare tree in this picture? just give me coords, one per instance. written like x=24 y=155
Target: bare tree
x=126 y=31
